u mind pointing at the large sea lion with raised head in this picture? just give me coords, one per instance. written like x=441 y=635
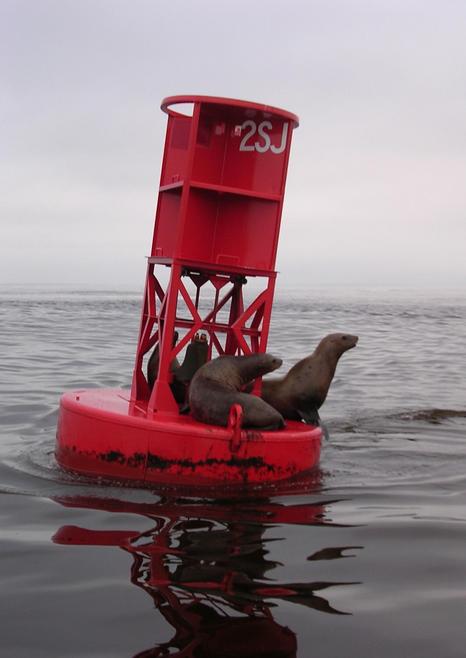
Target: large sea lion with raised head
x=302 y=391
x=217 y=385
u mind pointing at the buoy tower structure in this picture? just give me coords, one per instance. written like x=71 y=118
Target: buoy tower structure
x=217 y=225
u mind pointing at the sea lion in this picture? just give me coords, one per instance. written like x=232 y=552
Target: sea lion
x=299 y=394
x=153 y=363
x=217 y=385
x=195 y=357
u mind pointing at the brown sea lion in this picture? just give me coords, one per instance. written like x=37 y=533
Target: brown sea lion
x=195 y=357
x=217 y=385
x=299 y=394
x=153 y=363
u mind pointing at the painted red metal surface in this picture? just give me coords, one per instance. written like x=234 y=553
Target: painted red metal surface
x=217 y=224
x=266 y=110
x=102 y=433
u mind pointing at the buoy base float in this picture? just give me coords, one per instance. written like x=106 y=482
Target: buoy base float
x=103 y=433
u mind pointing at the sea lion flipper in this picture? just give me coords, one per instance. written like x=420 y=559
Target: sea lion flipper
x=309 y=416
x=324 y=431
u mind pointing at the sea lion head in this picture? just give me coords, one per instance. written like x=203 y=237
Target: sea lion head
x=337 y=344
x=257 y=365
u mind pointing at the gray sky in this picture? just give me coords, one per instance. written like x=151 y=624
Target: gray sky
x=376 y=191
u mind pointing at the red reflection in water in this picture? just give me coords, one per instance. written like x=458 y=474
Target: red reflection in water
x=205 y=566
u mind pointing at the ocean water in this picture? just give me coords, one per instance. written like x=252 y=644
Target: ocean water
x=367 y=560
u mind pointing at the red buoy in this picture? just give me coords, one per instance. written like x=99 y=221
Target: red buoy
x=217 y=224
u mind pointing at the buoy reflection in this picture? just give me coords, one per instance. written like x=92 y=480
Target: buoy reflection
x=207 y=568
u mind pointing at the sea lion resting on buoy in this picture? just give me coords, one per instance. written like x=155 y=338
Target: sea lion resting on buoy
x=153 y=363
x=299 y=394
x=195 y=357
x=217 y=385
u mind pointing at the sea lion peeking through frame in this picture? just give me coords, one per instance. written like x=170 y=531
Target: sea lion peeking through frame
x=195 y=357
x=153 y=363
x=302 y=391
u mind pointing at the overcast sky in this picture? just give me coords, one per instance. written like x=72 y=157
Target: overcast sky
x=376 y=191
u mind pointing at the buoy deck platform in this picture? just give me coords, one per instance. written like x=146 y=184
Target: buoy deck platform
x=103 y=433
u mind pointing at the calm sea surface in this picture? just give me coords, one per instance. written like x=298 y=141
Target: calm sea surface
x=368 y=561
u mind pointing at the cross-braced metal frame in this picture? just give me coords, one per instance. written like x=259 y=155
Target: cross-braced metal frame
x=161 y=317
